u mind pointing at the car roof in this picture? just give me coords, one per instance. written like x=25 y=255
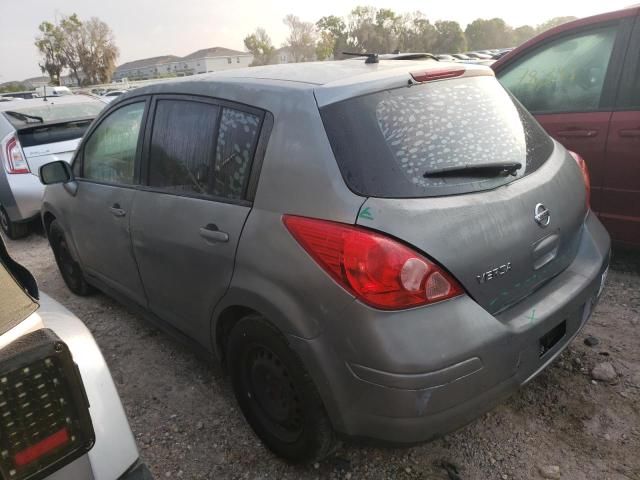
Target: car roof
x=36 y=102
x=631 y=11
x=329 y=80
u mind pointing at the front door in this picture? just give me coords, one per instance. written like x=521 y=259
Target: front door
x=102 y=205
x=188 y=217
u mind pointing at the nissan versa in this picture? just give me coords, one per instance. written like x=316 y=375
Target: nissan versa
x=379 y=249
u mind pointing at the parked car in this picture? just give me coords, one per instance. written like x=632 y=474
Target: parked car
x=446 y=57
x=111 y=95
x=478 y=56
x=25 y=95
x=32 y=133
x=460 y=56
x=49 y=91
x=355 y=266
x=581 y=80
x=62 y=417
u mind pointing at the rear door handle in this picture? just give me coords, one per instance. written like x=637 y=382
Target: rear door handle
x=210 y=232
x=634 y=132
x=116 y=211
x=578 y=133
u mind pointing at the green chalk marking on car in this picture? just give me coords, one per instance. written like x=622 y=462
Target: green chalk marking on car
x=532 y=317
x=365 y=214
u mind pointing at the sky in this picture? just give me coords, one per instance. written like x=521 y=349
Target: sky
x=149 y=28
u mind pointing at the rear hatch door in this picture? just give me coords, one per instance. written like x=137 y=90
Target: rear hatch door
x=487 y=226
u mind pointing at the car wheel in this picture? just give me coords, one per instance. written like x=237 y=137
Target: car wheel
x=13 y=230
x=276 y=394
x=69 y=268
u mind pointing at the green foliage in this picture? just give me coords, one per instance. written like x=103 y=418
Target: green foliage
x=301 y=41
x=87 y=49
x=450 y=37
x=382 y=30
x=554 y=22
x=50 y=45
x=522 y=34
x=10 y=87
x=482 y=34
x=259 y=44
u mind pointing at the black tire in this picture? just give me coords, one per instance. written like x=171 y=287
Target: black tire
x=69 y=268
x=276 y=394
x=13 y=230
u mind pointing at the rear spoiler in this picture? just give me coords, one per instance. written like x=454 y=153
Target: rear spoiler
x=30 y=127
x=380 y=80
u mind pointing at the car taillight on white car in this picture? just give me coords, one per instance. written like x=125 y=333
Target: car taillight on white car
x=585 y=175
x=378 y=270
x=15 y=161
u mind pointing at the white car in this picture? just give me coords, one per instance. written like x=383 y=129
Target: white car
x=34 y=132
x=60 y=414
x=112 y=95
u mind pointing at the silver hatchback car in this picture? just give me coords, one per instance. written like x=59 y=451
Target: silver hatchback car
x=380 y=250
x=32 y=133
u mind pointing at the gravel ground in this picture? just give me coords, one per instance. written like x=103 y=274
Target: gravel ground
x=563 y=424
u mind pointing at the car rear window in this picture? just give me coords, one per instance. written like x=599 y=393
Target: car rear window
x=54 y=112
x=385 y=142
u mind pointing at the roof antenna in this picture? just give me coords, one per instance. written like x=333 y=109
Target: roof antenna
x=45 y=92
x=371 y=57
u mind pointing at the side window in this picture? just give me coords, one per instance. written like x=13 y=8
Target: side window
x=191 y=154
x=566 y=75
x=631 y=99
x=183 y=146
x=110 y=152
x=236 y=145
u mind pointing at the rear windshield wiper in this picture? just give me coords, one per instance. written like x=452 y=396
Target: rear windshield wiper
x=24 y=117
x=498 y=168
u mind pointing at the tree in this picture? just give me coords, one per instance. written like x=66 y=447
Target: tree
x=333 y=31
x=98 y=59
x=73 y=44
x=483 y=34
x=259 y=44
x=49 y=44
x=88 y=48
x=554 y=22
x=449 y=37
x=522 y=34
x=301 y=41
x=324 y=47
x=416 y=33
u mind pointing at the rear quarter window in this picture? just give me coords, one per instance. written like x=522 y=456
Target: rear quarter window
x=385 y=142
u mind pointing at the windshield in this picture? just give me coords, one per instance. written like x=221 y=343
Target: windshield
x=56 y=112
x=386 y=142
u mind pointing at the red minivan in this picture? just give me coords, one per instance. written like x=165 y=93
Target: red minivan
x=581 y=80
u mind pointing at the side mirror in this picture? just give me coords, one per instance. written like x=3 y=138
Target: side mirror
x=55 y=172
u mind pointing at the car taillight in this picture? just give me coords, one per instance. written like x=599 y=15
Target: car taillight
x=44 y=417
x=378 y=270
x=437 y=74
x=16 y=163
x=585 y=175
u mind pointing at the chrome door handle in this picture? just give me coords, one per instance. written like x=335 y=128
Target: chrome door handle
x=116 y=211
x=210 y=232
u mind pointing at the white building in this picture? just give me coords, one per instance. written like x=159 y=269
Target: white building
x=202 y=61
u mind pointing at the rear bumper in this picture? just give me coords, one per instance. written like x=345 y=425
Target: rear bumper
x=407 y=377
x=24 y=197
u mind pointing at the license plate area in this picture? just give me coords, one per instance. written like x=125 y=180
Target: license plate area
x=552 y=337
x=44 y=413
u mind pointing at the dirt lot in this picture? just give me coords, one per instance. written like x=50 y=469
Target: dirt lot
x=185 y=419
